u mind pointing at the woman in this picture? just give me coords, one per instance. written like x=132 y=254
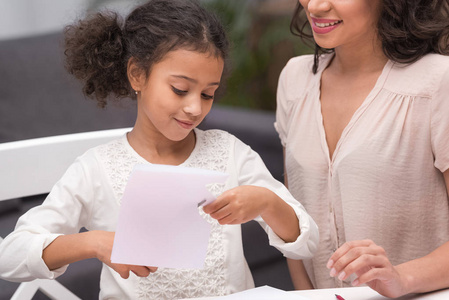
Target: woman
x=365 y=128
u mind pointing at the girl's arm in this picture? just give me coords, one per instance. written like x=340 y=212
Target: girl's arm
x=370 y=263
x=244 y=203
x=46 y=238
x=259 y=196
x=67 y=249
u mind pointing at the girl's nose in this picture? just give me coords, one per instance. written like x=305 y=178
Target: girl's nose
x=316 y=7
x=192 y=106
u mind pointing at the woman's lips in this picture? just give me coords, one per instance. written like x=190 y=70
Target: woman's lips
x=322 y=26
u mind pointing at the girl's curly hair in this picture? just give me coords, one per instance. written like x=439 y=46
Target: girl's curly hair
x=98 y=48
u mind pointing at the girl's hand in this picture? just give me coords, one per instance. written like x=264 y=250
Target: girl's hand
x=371 y=265
x=238 y=205
x=104 y=241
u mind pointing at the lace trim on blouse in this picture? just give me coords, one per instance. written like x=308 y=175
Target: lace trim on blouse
x=118 y=162
x=212 y=153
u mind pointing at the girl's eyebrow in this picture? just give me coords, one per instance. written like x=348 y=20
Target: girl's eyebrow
x=193 y=80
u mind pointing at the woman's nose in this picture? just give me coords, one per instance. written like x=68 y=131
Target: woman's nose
x=315 y=7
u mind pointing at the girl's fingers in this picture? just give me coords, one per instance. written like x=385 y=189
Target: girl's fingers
x=229 y=219
x=216 y=205
x=226 y=219
x=221 y=213
x=123 y=270
x=140 y=271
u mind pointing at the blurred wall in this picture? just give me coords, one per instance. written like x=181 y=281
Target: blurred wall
x=23 y=18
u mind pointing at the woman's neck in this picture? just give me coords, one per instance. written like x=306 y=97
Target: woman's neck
x=367 y=58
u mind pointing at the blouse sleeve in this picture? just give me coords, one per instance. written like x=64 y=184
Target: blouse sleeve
x=64 y=211
x=252 y=171
x=440 y=124
x=282 y=109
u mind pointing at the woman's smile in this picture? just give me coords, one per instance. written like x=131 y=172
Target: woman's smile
x=322 y=26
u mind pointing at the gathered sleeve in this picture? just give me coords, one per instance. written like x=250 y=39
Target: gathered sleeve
x=252 y=171
x=64 y=211
x=440 y=123
x=283 y=108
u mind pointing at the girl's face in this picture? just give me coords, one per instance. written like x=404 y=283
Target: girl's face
x=179 y=92
x=338 y=23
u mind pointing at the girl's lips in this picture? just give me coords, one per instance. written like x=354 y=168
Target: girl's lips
x=185 y=124
x=322 y=26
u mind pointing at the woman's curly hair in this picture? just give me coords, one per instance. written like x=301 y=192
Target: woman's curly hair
x=98 y=48
x=408 y=29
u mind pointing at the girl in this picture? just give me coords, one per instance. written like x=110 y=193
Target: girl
x=365 y=126
x=169 y=55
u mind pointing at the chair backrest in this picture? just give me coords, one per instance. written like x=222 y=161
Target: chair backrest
x=32 y=167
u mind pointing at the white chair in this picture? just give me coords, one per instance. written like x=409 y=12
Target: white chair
x=32 y=167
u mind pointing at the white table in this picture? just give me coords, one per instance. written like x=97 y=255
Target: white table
x=356 y=293
x=365 y=293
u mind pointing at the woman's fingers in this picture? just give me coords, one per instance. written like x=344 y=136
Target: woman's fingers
x=369 y=262
x=361 y=265
x=343 y=250
x=381 y=274
x=357 y=257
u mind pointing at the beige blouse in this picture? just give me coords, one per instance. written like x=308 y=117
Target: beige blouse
x=384 y=181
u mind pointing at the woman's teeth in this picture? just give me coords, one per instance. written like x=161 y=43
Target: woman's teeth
x=322 y=25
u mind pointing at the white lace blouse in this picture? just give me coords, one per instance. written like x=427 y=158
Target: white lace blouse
x=89 y=194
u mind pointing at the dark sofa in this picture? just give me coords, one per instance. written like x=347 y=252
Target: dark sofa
x=38 y=98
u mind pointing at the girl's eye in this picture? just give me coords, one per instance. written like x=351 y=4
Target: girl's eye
x=207 y=97
x=178 y=92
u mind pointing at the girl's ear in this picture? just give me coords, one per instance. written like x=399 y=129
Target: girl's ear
x=136 y=75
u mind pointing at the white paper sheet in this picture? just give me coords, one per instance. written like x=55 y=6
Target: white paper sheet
x=159 y=223
x=263 y=293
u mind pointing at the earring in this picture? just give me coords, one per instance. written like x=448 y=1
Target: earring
x=136 y=92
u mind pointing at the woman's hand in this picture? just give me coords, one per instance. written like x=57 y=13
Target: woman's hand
x=238 y=205
x=371 y=265
x=104 y=241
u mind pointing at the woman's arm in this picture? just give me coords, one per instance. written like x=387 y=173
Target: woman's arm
x=300 y=279
x=370 y=263
x=298 y=274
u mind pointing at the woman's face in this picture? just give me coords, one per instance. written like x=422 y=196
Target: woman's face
x=179 y=93
x=337 y=23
